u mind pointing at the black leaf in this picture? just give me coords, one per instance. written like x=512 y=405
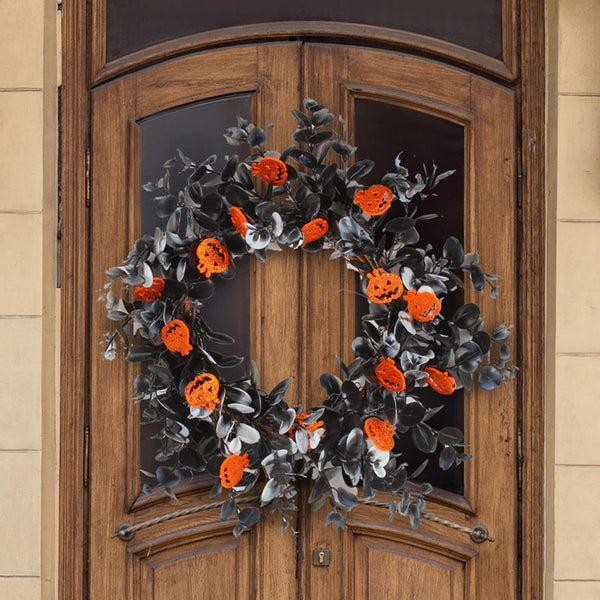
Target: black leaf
x=228 y=509
x=346 y=499
x=249 y=517
x=360 y=169
x=477 y=277
x=412 y=414
x=306 y=159
x=466 y=316
x=453 y=252
x=140 y=353
x=167 y=476
x=330 y=384
x=424 y=438
x=489 y=378
x=447 y=458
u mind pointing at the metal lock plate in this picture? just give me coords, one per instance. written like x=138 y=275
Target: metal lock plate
x=321 y=557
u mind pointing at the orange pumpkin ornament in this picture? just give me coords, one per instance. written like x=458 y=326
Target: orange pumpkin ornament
x=212 y=257
x=176 y=336
x=203 y=391
x=314 y=230
x=232 y=469
x=441 y=381
x=381 y=433
x=238 y=219
x=423 y=306
x=384 y=287
x=270 y=170
x=374 y=200
x=149 y=294
x=389 y=375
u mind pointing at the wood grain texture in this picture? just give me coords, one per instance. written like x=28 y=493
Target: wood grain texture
x=74 y=118
x=276 y=322
x=324 y=31
x=114 y=421
x=532 y=296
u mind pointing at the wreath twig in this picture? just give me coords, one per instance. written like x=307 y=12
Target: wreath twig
x=248 y=438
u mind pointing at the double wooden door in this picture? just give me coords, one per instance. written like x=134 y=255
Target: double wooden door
x=295 y=329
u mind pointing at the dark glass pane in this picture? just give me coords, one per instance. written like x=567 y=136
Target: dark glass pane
x=197 y=130
x=136 y=24
x=381 y=132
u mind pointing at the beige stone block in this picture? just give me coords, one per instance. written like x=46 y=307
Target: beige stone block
x=577 y=410
x=577 y=523
x=21 y=130
x=577 y=287
x=20 y=508
x=21 y=252
x=578 y=46
x=22 y=44
x=20 y=393
x=20 y=588
x=579 y=156
x=576 y=590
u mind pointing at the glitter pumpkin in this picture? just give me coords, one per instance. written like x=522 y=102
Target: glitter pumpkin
x=314 y=230
x=203 y=391
x=176 y=336
x=389 y=375
x=374 y=200
x=149 y=294
x=212 y=257
x=423 y=306
x=441 y=381
x=381 y=433
x=270 y=170
x=232 y=469
x=238 y=219
x=384 y=287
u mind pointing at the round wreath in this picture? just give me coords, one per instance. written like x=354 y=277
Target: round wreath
x=246 y=437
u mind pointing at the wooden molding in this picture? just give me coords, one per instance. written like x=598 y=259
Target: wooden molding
x=532 y=296
x=74 y=119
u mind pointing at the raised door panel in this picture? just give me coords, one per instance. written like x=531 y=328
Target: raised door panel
x=201 y=565
x=426 y=574
x=269 y=75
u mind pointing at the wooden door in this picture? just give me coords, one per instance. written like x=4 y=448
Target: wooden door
x=196 y=556
x=374 y=559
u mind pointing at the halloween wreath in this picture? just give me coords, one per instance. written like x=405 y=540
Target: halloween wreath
x=246 y=437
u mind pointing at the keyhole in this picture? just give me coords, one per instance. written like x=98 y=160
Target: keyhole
x=321 y=557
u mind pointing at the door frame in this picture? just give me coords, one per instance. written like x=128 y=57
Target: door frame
x=74 y=119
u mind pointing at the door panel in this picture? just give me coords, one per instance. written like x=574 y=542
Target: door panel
x=342 y=77
x=288 y=308
x=205 y=565
x=270 y=75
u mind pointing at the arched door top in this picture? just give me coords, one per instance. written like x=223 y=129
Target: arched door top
x=479 y=35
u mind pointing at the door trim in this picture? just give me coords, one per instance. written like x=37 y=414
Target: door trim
x=74 y=118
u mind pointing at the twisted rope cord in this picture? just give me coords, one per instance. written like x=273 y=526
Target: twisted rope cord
x=126 y=531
